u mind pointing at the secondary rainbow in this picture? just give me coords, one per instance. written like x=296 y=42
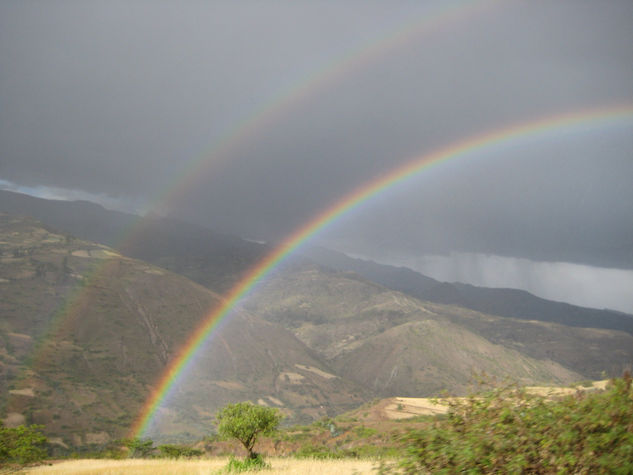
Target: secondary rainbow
x=278 y=106
x=284 y=101
x=479 y=143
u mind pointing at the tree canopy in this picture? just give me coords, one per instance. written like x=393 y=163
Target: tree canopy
x=244 y=421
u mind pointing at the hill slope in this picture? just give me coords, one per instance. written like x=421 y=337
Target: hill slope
x=217 y=261
x=331 y=340
x=86 y=332
x=210 y=258
x=504 y=302
x=387 y=341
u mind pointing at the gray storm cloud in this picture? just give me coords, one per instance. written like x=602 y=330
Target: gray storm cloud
x=120 y=99
x=587 y=286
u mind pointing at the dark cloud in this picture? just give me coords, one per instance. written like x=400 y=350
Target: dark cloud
x=117 y=99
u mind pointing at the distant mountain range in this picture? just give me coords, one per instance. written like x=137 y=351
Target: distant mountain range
x=217 y=260
x=95 y=304
x=505 y=302
x=213 y=259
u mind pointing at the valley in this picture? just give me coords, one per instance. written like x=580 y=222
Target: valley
x=87 y=331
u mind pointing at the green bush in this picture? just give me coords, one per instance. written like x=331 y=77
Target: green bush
x=178 y=451
x=138 y=448
x=246 y=465
x=22 y=444
x=323 y=452
x=507 y=430
x=364 y=432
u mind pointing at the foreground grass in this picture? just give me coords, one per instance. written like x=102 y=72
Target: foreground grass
x=279 y=465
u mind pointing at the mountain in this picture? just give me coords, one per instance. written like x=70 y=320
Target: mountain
x=396 y=344
x=512 y=303
x=87 y=329
x=82 y=219
x=218 y=260
x=213 y=259
x=85 y=333
x=396 y=278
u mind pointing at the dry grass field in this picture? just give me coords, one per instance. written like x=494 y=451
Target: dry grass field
x=548 y=391
x=287 y=466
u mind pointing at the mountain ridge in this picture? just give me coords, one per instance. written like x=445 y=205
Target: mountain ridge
x=312 y=341
x=86 y=333
x=507 y=302
x=198 y=253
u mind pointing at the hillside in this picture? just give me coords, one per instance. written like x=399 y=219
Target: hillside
x=403 y=408
x=503 y=302
x=589 y=341
x=86 y=332
x=392 y=343
x=217 y=260
x=213 y=259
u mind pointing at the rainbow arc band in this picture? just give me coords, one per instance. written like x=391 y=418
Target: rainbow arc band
x=280 y=105
x=508 y=136
x=437 y=18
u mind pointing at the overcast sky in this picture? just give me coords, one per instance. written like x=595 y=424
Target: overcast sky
x=252 y=116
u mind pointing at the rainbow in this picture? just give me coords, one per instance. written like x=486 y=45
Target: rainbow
x=483 y=143
x=268 y=113
x=279 y=105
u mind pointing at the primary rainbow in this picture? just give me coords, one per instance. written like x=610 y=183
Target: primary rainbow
x=479 y=143
x=278 y=106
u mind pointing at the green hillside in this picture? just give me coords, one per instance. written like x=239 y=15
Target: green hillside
x=86 y=332
x=398 y=346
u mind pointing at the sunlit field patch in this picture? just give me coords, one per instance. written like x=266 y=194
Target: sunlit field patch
x=205 y=466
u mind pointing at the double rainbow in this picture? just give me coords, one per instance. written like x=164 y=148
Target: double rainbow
x=479 y=144
x=439 y=17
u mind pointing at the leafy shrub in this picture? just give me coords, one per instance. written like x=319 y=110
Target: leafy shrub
x=323 y=423
x=320 y=452
x=109 y=452
x=246 y=465
x=22 y=444
x=507 y=430
x=138 y=448
x=377 y=451
x=364 y=432
x=323 y=452
x=178 y=451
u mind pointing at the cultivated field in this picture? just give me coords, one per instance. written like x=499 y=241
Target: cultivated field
x=408 y=407
x=287 y=466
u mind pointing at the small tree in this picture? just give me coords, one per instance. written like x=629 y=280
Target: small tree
x=22 y=444
x=245 y=421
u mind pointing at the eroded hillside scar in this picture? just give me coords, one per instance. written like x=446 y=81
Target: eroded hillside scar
x=157 y=341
